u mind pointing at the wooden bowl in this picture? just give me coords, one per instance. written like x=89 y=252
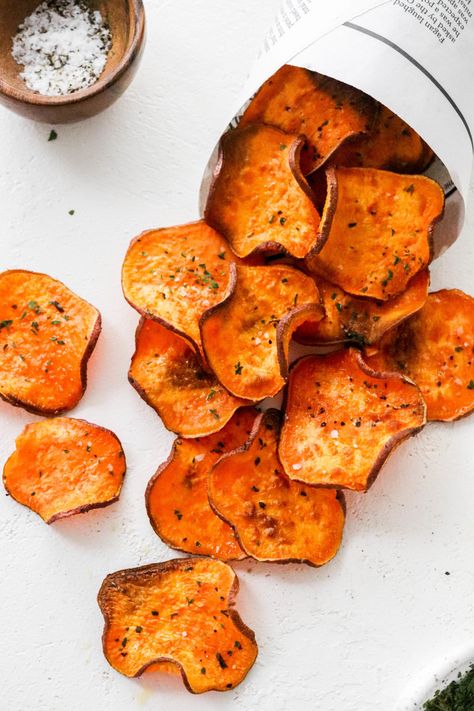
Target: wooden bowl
x=126 y=19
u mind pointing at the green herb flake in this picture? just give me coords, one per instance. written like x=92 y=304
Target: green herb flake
x=238 y=368
x=271 y=220
x=52 y=136
x=71 y=212
x=471 y=385
x=178 y=514
x=5 y=324
x=457 y=696
x=339 y=307
x=221 y=255
x=139 y=629
x=215 y=414
x=410 y=189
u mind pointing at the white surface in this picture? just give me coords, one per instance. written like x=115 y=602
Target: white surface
x=346 y=637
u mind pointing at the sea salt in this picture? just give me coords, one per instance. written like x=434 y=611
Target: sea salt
x=63 y=47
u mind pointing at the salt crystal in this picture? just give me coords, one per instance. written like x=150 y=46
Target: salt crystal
x=334 y=434
x=297 y=467
x=63 y=46
x=199 y=457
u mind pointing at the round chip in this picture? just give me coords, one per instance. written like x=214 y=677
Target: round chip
x=167 y=374
x=174 y=275
x=274 y=518
x=62 y=467
x=246 y=338
x=328 y=112
x=377 y=230
x=343 y=419
x=259 y=199
x=176 y=496
x=364 y=321
x=435 y=348
x=47 y=335
x=179 y=612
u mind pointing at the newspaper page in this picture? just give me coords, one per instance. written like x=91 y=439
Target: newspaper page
x=414 y=56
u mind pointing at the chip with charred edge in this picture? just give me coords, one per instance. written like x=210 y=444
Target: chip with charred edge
x=173 y=275
x=392 y=145
x=435 y=348
x=246 y=338
x=274 y=518
x=167 y=374
x=259 y=199
x=62 y=467
x=47 y=335
x=343 y=419
x=176 y=497
x=180 y=612
x=364 y=321
x=326 y=111
x=378 y=232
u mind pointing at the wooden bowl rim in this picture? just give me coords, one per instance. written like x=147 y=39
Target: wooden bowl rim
x=31 y=98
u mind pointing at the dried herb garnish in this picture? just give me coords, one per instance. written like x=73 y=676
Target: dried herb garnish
x=457 y=696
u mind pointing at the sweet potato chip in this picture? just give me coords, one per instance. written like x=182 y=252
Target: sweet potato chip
x=379 y=232
x=343 y=419
x=167 y=374
x=47 y=335
x=173 y=275
x=364 y=321
x=392 y=145
x=274 y=518
x=435 y=348
x=179 y=612
x=259 y=200
x=62 y=467
x=326 y=111
x=246 y=337
x=176 y=497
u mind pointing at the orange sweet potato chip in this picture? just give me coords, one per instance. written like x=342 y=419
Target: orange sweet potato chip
x=435 y=348
x=275 y=519
x=246 y=337
x=379 y=232
x=364 y=321
x=392 y=145
x=259 y=200
x=169 y=377
x=62 y=467
x=173 y=275
x=343 y=419
x=176 y=497
x=47 y=335
x=179 y=612
x=326 y=111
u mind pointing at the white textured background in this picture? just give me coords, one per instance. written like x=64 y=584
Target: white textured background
x=343 y=638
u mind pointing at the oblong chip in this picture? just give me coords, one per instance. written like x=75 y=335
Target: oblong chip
x=435 y=348
x=343 y=419
x=176 y=496
x=391 y=145
x=167 y=374
x=259 y=199
x=379 y=233
x=173 y=275
x=327 y=111
x=62 y=467
x=180 y=612
x=246 y=338
x=47 y=335
x=364 y=321
x=274 y=518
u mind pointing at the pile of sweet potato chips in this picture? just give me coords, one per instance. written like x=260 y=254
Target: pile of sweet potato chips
x=318 y=229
